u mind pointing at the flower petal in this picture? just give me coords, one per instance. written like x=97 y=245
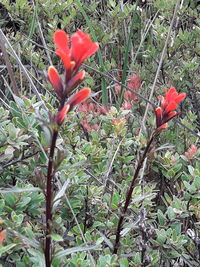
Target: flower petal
x=79 y=97
x=158 y=112
x=61 y=40
x=65 y=58
x=170 y=107
x=180 y=97
x=61 y=114
x=82 y=47
x=170 y=115
x=55 y=80
x=78 y=78
x=162 y=127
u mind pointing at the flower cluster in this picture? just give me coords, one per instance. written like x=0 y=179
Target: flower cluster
x=133 y=83
x=72 y=53
x=93 y=109
x=192 y=151
x=169 y=104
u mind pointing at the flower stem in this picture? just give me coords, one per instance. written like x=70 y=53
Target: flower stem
x=129 y=195
x=49 y=200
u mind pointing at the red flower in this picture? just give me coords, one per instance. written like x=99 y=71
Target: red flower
x=79 y=97
x=73 y=55
x=56 y=81
x=76 y=99
x=81 y=48
x=168 y=105
x=61 y=114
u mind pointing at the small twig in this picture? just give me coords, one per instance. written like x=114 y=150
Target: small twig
x=110 y=164
x=86 y=210
x=19 y=160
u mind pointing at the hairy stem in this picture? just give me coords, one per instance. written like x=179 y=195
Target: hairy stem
x=49 y=200
x=129 y=195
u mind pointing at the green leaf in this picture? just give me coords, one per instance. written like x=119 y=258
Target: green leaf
x=170 y=213
x=128 y=159
x=161 y=218
x=161 y=236
x=56 y=237
x=137 y=258
x=69 y=251
x=177 y=167
x=6 y=248
x=60 y=194
x=123 y=262
x=18 y=190
x=191 y=170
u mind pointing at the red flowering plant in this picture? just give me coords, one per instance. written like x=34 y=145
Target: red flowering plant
x=164 y=113
x=73 y=53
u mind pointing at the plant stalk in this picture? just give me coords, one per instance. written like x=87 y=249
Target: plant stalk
x=129 y=195
x=49 y=200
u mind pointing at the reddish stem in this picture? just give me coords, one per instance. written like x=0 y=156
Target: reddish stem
x=129 y=195
x=49 y=201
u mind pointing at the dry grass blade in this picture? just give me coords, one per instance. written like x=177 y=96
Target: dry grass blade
x=13 y=53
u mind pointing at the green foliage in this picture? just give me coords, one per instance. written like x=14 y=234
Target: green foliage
x=94 y=166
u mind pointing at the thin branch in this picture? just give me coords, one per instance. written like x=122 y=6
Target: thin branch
x=129 y=195
x=49 y=200
x=9 y=67
x=19 y=160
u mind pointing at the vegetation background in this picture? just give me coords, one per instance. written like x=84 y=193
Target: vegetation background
x=147 y=45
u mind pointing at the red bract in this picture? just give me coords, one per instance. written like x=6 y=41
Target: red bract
x=79 y=97
x=81 y=48
x=76 y=99
x=56 y=81
x=72 y=57
x=168 y=105
x=61 y=114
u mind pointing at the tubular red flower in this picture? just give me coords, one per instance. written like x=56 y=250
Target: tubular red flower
x=78 y=78
x=168 y=105
x=158 y=112
x=55 y=80
x=162 y=127
x=61 y=40
x=81 y=48
x=79 y=97
x=61 y=114
x=69 y=65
